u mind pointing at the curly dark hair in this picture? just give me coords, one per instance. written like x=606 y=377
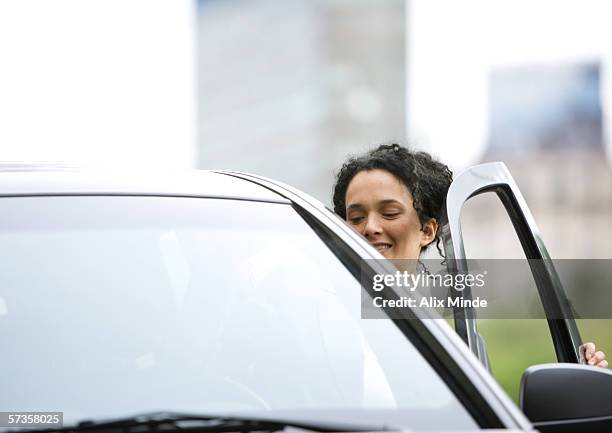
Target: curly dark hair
x=427 y=180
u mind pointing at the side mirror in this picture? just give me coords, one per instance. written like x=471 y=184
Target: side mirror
x=567 y=397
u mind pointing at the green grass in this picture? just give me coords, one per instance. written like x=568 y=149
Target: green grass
x=514 y=345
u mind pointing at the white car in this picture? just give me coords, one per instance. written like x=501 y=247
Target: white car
x=215 y=302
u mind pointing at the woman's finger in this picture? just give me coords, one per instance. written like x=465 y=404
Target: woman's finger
x=589 y=350
x=603 y=364
x=597 y=358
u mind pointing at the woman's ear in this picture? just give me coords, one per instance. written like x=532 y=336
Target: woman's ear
x=428 y=232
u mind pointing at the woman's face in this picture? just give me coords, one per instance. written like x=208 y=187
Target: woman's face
x=379 y=207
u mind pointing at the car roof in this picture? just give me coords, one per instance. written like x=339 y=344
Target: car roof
x=27 y=179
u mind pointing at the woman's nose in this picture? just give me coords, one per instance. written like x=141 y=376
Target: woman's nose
x=372 y=227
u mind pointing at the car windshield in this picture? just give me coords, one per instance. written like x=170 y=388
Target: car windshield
x=115 y=305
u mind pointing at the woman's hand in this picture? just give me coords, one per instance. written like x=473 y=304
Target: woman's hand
x=594 y=357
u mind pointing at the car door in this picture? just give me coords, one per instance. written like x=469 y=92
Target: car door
x=495 y=178
x=564 y=335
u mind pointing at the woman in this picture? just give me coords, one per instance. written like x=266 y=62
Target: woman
x=393 y=197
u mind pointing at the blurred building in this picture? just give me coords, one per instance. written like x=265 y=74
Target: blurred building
x=545 y=123
x=288 y=89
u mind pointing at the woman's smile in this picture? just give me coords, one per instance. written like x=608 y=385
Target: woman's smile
x=382 y=247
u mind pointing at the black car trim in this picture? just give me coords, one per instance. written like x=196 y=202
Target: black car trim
x=429 y=347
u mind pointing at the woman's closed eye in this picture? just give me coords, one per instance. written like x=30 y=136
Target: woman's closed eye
x=391 y=214
x=355 y=219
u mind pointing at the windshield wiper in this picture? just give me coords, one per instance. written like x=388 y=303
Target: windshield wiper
x=172 y=422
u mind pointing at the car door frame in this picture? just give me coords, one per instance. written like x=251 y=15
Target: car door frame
x=496 y=178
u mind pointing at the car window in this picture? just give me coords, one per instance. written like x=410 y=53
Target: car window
x=111 y=306
x=514 y=343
